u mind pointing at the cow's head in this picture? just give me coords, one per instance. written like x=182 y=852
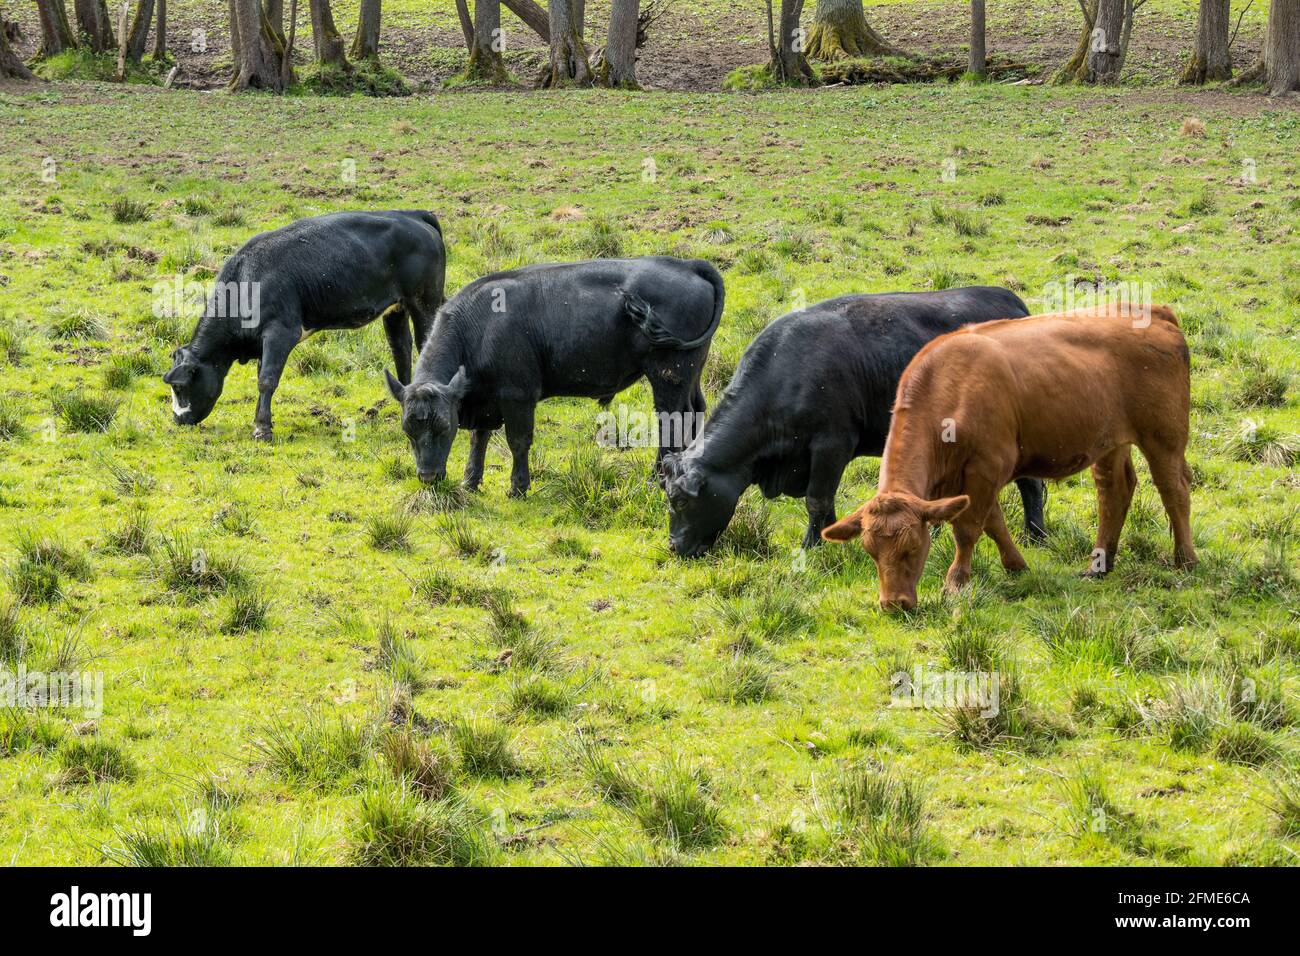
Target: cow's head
x=430 y=416
x=700 y=505
x=196 y=385
x=895 y=529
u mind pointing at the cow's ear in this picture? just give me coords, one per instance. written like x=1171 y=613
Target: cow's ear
x=846 y=529
x=179 y=374
x=670 y=466
x=944 y=509
x=459 y=384
x=689 y=482
x=397 y=388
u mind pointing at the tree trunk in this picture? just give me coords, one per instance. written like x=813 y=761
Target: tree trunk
x=789 y=64
x=56 y=31
x=1279 y=64
x=840 y=29
x=257 y=66
x=569 y=66
x=326 y=40
x=274 y=12
x=1210 y=58
x=1103 y=45
x=138 y=38
x=11 y=65
x=286 y=62
x=534 y=16
x=619 y=69
x=365 y=45
x=466 y=24
x=485 y=61
x=978 y=57
x=1105 y=55
x=94 y=23
x=160 y=32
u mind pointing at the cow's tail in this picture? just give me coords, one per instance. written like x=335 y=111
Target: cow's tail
x=643 y=315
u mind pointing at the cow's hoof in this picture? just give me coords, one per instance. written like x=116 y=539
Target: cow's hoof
x=1094 y=575
x=517 y=492
x=261 y=433
x=1035 y=535
x=471 y=486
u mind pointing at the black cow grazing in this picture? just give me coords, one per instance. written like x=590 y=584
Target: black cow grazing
x=581 y=329
x=338 y=271
x=812 y=392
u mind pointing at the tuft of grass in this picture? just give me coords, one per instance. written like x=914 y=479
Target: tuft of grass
x=186 y=568
x=442 y=498
x=125 y=210
x=741 y=680
x=121 y=371
x=320 y=754
x=1092 y=813
x=538 y=696
x=398 y=657
x=85 y=413
x=749 y=535
x=78 y=324
x=398 y=829
x=677 y=804
x=27 y=731
x=133 y=535
x=485 y=748
x=519 y=642
x=1262 y=443
x=13 y=343
x=13 y=639
x=131 y=481
x=248 y=611
x=884 y=815
x=962 y=221
x=1245 y=744
x=389 y=532
x=1286 y=805
x=464 y=538
x=87 y=761
x=1082 y=634
x=192 y=838
x=414 y=762
x=774 y=613
x=11 y=422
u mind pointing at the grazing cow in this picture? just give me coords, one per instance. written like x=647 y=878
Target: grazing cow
x=339 y=271
x=812 y=392
x=1045 y=396
x=582 y=329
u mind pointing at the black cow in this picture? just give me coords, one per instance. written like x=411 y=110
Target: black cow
x=812 y=392
x=583 y=329
x=339 y=271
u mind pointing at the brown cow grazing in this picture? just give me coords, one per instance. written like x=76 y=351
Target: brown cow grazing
x=1041 y=397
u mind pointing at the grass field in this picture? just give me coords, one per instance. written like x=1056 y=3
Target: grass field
x=362 y=670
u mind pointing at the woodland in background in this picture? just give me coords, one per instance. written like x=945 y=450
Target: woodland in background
x=829 y=41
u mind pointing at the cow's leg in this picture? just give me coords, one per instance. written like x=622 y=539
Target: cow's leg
x=995 y=526
x=1033 y=494
x=1173 y=479
x=519 y=436
x=422 y=320
x=675 y=397
x=275 y=352
x=824 y=474
x=398 y=329
x=1115 y=479
x=967 y=528
x=478 y=444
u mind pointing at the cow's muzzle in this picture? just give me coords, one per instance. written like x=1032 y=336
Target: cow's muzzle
x=432 y=477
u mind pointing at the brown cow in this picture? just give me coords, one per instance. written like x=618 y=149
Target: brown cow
x=1042 y=397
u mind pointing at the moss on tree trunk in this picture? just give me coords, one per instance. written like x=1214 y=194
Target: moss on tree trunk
x=840 y=29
